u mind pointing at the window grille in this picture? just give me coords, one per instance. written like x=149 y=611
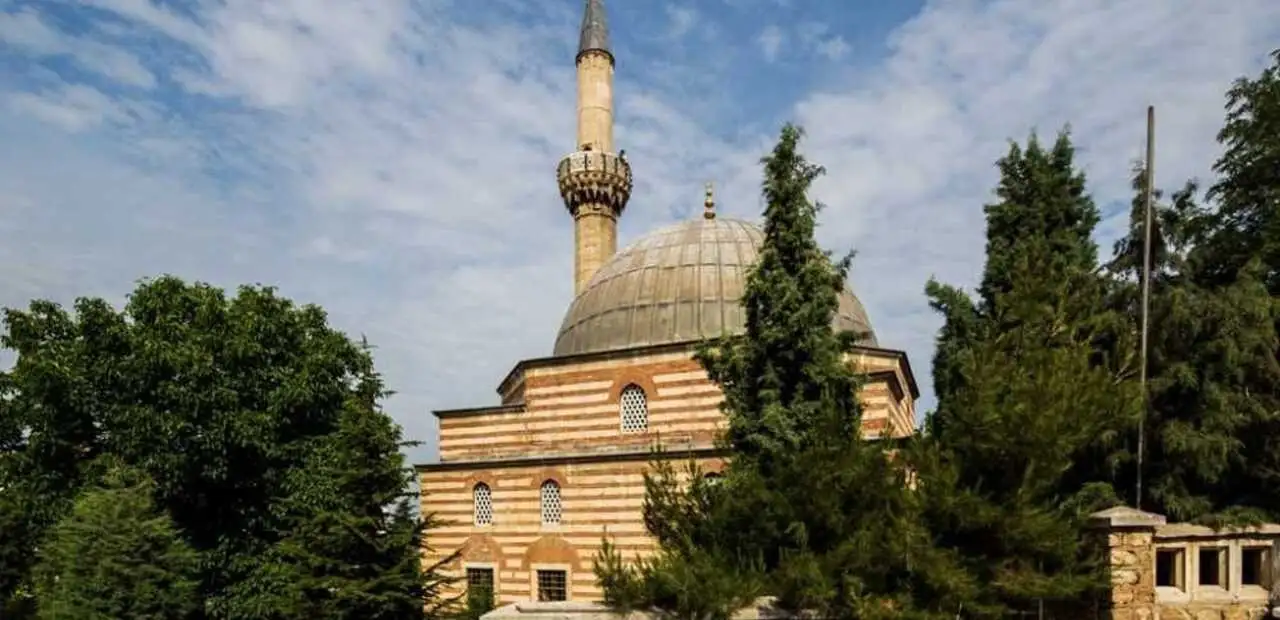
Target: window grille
x=552 y=585
x=482 y=500
x=634 y=409
x=480 y=585
x=551 y=508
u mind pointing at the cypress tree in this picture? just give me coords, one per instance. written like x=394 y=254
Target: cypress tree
x=807 y=510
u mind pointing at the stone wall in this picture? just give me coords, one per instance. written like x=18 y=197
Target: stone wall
x=1178 y=571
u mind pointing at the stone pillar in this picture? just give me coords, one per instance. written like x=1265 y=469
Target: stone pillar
x=1130 y=546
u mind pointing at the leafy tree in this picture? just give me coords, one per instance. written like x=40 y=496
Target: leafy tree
x=1242 y=246
x=353 y=544
x=807 y=510
x=1034 y=396
x=1245 y=225
x=115 y=556
x=1200 y=335
x=1214 y=386
x=237 y=408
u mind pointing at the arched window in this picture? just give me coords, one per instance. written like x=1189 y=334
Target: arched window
x=633 y=409
x=482 y=503
x=712 y=477
x=551 y=508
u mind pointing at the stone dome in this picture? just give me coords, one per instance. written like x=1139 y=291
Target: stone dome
x=678 y=283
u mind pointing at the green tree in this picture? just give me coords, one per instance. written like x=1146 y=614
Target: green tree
x=1035 y=395
x=1245 y=225
x=1202 y=333
x=227 y=404
x=1212 y=427
x=116 y=556
x=1242 y=246
x=807 y=510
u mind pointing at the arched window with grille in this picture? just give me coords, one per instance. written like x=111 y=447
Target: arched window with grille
x=633 y=409
x=551 y=503
x=482 y=504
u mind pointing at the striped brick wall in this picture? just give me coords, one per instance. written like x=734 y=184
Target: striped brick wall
x=577 y=406
x=595 y=496
x=560 y=421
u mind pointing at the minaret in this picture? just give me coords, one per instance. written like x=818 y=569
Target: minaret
x=594 y=181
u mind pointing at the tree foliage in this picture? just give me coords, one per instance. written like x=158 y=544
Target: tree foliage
x=116 y=555
x=1213 y=431
x=1033 y=399
x=258 y=425
x=807 y=510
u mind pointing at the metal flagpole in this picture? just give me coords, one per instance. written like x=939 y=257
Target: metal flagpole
x=1149 y=191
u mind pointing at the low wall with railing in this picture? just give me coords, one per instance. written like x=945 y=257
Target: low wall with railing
x=1179 y=571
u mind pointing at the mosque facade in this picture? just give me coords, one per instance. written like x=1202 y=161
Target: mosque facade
x=530 y=486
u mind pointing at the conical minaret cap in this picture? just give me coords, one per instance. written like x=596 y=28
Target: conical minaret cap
x=595 y=29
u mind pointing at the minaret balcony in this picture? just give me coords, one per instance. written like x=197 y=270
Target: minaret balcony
x=594 y=177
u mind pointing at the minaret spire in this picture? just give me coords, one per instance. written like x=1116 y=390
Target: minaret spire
x=595 y=30
x=595 y=182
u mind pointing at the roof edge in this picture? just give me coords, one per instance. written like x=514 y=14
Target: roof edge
x=672 y=347
x=467 y=412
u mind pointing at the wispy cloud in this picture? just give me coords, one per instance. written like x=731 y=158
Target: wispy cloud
x=770 y=41
x=682 y=19
x=394 y=160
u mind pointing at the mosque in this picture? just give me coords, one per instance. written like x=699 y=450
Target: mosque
x=531 y=485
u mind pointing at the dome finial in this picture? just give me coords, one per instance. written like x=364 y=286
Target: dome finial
x=709 y=205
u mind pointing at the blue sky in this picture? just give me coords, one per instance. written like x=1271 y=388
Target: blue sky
x=393 y=160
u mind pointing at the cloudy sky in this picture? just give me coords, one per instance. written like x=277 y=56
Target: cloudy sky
x=393 y=160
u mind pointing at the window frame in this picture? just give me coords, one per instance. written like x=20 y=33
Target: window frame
x=1266 y=580
x=543 y=503
x=467 y=567
x=623 y=404
x=535 y=587
x=1221 y=554
x=1179 y=562
x=475 y=505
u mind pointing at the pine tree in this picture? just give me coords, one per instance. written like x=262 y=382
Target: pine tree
x=116 y=556
x=1033 y=399
x=807 y=510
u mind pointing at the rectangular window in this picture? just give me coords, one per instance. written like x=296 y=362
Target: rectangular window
x=1169 y=567
x=1255 y=566
x=1213 y=567
x=552 y=585
x=480 y=586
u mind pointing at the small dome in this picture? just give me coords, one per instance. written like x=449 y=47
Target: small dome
x=679 y=283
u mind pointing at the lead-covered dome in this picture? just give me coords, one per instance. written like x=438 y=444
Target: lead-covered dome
x=679 y=283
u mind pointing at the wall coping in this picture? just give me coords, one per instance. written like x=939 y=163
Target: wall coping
x=1190 y=530
x=1125 y=517
x=762 y=609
